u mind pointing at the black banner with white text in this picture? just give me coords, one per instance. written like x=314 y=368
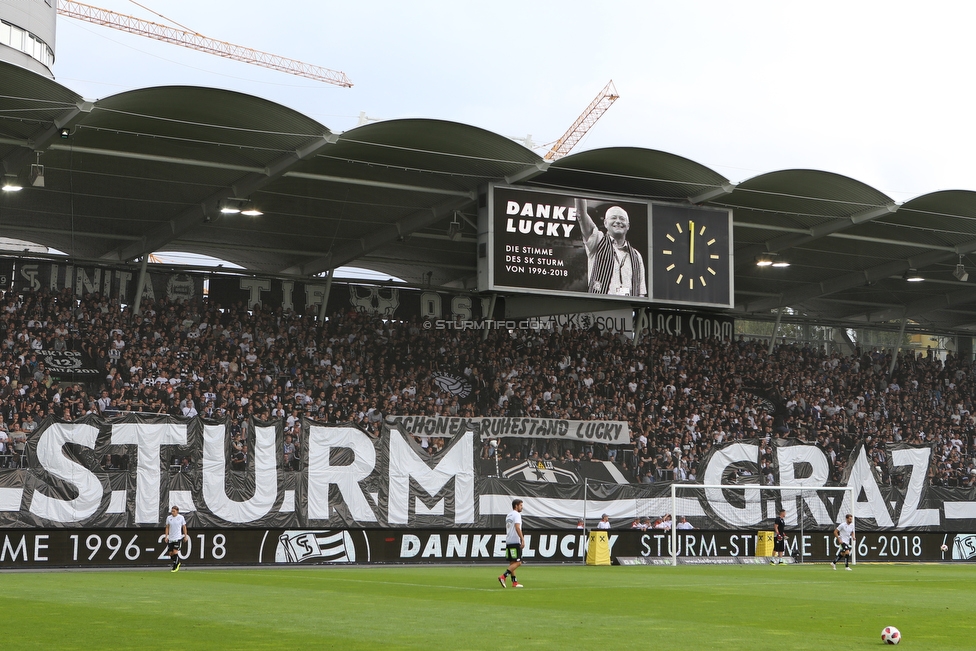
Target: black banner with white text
x=388 y=301
x=90 y=548
x=697 y=326
x=613 y=432
x=121 y=284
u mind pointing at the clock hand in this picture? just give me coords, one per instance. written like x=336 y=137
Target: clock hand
x=691 y=246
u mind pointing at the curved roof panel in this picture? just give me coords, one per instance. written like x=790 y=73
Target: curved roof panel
x=807 y=195
x=30 y=101
x=632 y=171
x=208 y=119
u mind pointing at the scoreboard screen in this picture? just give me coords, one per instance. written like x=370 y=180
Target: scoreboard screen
x=612 y=248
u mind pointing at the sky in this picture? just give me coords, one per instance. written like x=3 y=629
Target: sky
x=878 y=91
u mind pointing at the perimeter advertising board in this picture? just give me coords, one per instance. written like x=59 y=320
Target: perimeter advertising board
x=583 y=245
x=84 y=548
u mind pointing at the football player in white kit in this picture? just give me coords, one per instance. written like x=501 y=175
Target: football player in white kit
x=844 y=533
x=175 y=535
x=514 y=542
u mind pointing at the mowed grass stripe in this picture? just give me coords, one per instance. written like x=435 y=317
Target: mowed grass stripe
x=570 y=607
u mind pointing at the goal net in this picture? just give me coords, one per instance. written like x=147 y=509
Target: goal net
x=752 y=507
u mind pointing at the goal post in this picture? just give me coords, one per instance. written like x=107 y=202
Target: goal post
x=750 y=506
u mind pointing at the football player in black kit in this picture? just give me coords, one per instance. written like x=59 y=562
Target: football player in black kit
x=779 y=540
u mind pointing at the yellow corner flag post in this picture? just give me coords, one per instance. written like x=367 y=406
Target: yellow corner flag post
x=598 y=549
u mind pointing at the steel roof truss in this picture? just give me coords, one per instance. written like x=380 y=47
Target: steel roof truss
x=349 y=252
x=198 y=214
x=784 y=242
x=860 y=278
x=43 y=139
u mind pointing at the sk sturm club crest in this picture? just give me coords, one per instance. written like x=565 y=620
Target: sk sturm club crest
x=316 y=546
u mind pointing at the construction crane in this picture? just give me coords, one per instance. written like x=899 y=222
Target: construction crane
x=192 y=40
x=587 y=119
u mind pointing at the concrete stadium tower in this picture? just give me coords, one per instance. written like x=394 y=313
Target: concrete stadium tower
x=27 y=29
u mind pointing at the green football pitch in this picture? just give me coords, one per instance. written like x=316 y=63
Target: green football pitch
x=562 y=607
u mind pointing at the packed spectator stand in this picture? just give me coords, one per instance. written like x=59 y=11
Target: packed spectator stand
x=680 y=397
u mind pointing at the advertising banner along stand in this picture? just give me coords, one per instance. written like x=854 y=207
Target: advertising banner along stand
x=91 y=547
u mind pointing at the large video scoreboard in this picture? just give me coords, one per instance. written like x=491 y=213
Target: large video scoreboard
x=585 y=245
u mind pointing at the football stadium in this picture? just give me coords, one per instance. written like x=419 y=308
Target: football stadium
x=671 y=408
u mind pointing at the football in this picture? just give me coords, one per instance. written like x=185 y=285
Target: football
x=890 y=635
x=945 y=548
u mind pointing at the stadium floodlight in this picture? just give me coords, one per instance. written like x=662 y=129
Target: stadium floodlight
x=250 y=210
x=11 y=184
x=913 y=276
x=228 y=207
x=753 y=504
x=235 y=205
x=231 y=206
x=772 y=260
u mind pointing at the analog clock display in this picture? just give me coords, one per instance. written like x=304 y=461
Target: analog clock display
x=691 y=255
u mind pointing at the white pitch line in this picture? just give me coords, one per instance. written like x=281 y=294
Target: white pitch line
x=415 y=585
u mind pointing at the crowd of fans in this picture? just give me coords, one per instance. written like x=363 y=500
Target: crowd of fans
x=680 y=397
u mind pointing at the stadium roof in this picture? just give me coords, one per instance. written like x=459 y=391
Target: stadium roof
x=143 y=171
